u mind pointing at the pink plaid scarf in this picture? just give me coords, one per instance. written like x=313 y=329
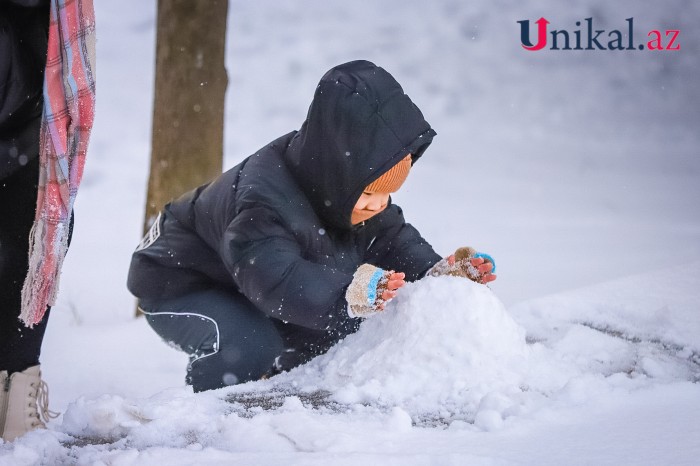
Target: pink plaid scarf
x=69 y=104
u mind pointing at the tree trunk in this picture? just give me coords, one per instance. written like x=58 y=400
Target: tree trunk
x=188 y=110
x=188 y=114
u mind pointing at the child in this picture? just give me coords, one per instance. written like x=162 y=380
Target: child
x=277 y=259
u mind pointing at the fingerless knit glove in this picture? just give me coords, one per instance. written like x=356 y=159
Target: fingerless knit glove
x=364 y=295
x=462 y=266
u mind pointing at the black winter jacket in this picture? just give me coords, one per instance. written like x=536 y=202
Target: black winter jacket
x=23 y=41
x=277 y=226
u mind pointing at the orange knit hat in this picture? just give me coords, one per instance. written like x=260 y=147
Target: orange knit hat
x=391 y=181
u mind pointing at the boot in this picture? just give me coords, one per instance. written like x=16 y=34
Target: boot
x=24 y=400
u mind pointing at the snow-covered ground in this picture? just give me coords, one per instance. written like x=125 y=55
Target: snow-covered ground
x=578 y=171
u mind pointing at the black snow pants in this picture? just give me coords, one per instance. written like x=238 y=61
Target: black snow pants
x=228 y=341
x=20 y=347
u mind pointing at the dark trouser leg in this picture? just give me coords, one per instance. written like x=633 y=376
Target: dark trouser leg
x=20 y=347
x=228 y=340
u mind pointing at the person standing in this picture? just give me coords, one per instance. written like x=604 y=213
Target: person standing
x=47 y=90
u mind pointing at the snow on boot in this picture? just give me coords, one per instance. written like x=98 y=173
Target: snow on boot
x=24 y=401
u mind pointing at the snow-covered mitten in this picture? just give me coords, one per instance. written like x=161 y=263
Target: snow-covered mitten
x=364 y=295
x=462 y=266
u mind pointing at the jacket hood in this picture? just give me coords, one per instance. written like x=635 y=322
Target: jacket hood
x=360 y=124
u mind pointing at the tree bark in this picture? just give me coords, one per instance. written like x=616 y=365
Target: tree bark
x=188 y=113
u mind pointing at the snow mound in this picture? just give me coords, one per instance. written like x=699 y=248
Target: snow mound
x=657 y=306
x=441 y=346
x=447 y=350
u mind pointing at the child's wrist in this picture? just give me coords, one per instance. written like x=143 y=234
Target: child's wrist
x=364 y=295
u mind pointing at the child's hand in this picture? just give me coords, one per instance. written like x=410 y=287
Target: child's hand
x=482 y=265
x=466 y=262
x=371 y=288
x=394 y=282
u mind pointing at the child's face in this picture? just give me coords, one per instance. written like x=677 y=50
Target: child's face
x=369 y=205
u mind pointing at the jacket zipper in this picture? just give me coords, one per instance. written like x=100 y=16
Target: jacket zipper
x=5 y=404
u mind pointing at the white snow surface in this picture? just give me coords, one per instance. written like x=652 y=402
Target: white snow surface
x=578 y=171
